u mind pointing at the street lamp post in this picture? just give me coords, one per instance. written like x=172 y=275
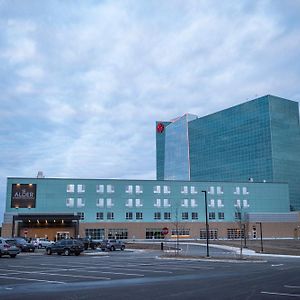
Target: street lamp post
x=206 y=223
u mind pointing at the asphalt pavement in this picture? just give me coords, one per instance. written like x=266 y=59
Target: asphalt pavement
x=144 y=274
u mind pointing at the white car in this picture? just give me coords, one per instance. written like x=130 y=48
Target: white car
x=42 y=242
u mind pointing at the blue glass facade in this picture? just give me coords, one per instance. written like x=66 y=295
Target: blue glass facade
x=259 y=139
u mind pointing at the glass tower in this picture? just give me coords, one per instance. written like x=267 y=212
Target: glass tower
x=258 y=140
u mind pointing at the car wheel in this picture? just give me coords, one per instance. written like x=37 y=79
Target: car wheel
x=103 y=249
x=13 y=255
x=33 y=250
x=67 y=252
x=49 y=252
x=122 y=248
x=39 y=246
x=112 y=248
x=77 y=253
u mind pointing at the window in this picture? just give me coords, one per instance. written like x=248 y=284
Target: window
x=238 y=215
x=129 y=203
x=157 y=216
x=211 y=190
x=97 y=233
x=167 y=189
x=80 y=188
x=194 y=190
x=81 y=215
x=219 y=190
x=70 y=188
x=181 y=231
x=211 y=203
x=220 y=215
x=139 y=216
x=184 y=189
x=70 y=202
x=211 y=215
x=237 y=190
x=138 y=203
x=116 y=233
x=80 y=202
x=245 y=191
x=154 y=233
x=110 y=188
x=100 y=188
x=193 y=203
x=110 y=216
x=245 y=203
x=99 y=216
x=167 y=216
x=194 y=216
x=157 y=203
x=185 y=216
x=212 y=234
x=156 y=189
x=220 y=204
x=138 y=189
x=235 y=233
x=109 y=202
x=167 y=203
x=129 y=216
x=129 y=189
x=238 y=203
x=100 y=202
x=184 y=202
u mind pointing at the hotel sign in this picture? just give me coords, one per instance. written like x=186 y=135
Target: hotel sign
x=23 y=195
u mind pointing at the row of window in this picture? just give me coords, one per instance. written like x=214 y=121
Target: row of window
x=156 y=233
x=108 y=202
x=157 y=189
x=158 y=215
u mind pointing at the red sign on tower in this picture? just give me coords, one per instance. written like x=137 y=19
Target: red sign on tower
x=160 y=127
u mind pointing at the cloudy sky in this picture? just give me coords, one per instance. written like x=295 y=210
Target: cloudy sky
x=83 y=82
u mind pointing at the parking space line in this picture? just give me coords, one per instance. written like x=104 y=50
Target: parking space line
x=57 y=274
x=292 y=286
x=32 y=279
x=281 y=294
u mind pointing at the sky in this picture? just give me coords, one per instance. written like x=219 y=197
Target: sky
x=82 y=83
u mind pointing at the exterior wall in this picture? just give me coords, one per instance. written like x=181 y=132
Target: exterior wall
x=178 y=200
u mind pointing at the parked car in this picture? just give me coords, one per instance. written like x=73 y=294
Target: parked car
x=66 y=247
x=7 y=248
x=41 y=242
x=89 y=243
x=112 y=245
x=22 y=244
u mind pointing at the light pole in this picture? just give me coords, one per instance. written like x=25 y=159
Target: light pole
x=261 y=237
x=206 y=223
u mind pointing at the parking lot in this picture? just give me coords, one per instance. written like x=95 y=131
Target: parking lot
x=135 y=274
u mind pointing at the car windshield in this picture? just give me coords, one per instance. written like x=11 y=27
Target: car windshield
x=10 y=242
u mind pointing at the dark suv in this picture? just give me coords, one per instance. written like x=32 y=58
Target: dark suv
x=89 y=243
x=112 y=245
x=66 y=247
x=22 y=244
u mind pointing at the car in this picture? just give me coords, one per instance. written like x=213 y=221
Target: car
x=22 y=244
x=89 y=243
x=66 y=247
x=41 y=242
x=112 y=245
x=8 y=248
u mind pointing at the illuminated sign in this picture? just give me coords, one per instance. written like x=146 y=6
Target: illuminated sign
x=23 y=195
x=160 y=127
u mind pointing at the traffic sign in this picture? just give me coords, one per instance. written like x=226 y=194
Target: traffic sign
x=165 y=231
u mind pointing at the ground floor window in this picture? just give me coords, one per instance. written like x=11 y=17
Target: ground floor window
x=97 y=233
x=212 y=234
x=118 y=233
x=154 y=233
x=181 y=232
x=235 y=233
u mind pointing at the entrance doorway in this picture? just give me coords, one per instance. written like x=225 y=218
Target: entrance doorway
x=60 y=235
